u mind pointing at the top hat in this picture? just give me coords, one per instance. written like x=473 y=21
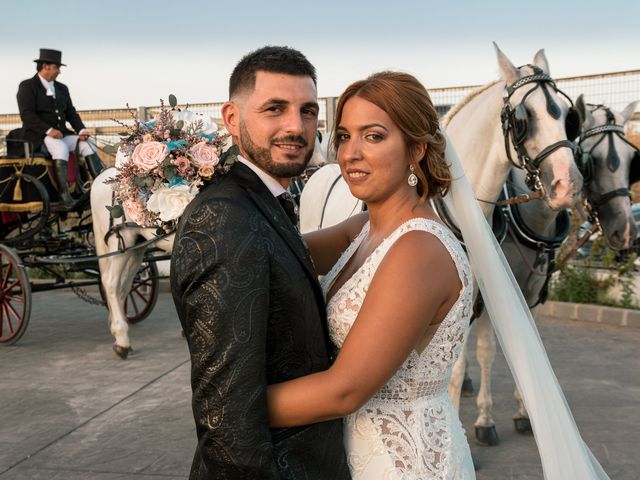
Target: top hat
x=50 y=56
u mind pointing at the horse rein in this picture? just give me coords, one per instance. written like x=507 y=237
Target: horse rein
x=326 y=201
x=515 y=124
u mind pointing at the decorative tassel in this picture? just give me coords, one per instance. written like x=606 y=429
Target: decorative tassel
x=17 y=191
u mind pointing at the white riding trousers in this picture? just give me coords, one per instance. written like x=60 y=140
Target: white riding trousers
x=60 y=148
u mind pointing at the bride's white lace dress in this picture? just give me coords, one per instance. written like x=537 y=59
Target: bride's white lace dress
x=409 y=430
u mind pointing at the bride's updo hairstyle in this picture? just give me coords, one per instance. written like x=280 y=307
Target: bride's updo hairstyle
x=409 y=105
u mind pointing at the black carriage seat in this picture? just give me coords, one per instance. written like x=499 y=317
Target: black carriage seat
x=38 y=162
x=18 y=147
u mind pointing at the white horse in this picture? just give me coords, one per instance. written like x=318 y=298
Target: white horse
x=476 y=130
x=117 y=271
x=536 y=231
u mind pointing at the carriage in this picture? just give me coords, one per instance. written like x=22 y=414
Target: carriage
x=46 y=246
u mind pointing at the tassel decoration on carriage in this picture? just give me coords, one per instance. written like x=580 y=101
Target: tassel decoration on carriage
x=17 y=191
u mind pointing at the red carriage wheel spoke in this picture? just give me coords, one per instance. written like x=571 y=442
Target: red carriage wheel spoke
x=19 y=298
x=8 y=289
x=141 y=295
x=144 y=283
x=5 y=278
x=135 y=305
x=8 y=317
x=13 y=310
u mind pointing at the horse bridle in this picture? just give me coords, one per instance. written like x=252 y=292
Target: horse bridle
x=515 y=124
x=585 y=159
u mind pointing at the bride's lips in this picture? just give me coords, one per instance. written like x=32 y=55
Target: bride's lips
x=356 y=176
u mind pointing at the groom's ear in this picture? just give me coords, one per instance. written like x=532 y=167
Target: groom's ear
x=231 y=118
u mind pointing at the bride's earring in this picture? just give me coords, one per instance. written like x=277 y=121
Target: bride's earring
x=412 y=180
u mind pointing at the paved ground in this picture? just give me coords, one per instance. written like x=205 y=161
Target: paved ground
x=70 y=410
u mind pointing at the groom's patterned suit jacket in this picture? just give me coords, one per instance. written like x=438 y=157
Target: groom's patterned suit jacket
x=253 y=314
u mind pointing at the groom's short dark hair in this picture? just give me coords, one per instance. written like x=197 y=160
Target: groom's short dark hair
x=269 y=59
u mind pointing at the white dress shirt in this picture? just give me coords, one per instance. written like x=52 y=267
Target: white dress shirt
x=51 y=92
x=49 y=86
x=271 y=183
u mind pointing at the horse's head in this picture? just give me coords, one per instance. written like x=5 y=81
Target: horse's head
x=319 y=157
x=608 y=162
x=539 y=124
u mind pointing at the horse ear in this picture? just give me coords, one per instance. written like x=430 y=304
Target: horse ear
x=540 y=60
x=587 y=118
x=508 y=72
x=629 y=110
x=581 y=108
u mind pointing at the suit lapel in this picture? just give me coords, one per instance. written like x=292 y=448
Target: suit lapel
x=275 y=215
x=270 y=208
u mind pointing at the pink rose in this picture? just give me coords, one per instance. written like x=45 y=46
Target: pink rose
x=149 y=155
x=182 y=163
x=134 y=210
x=204 y=154
x=205 y=171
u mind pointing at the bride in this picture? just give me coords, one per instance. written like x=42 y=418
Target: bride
x=398 y=296
x=399 y=293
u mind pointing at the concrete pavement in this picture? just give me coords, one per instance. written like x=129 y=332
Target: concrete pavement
x=71 y=410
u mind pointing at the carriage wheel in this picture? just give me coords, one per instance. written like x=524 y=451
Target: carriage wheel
x=15 y=297
x=30 y=223
x=143 y=294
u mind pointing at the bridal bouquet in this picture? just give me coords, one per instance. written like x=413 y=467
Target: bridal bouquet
x=162 y=164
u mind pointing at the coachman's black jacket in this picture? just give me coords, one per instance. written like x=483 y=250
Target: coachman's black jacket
x=253 y=314
x=40 y=112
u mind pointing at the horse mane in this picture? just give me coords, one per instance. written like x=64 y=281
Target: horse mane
x=463 y=103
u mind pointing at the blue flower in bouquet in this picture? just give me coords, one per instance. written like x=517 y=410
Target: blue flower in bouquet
x=177 y=180
x=175 y=144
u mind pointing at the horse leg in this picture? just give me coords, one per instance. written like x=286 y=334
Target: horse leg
x=457 y=376
x=117 y=283
x=486 y=433
x=521 y=420
x=467 y=383
x=116 y=271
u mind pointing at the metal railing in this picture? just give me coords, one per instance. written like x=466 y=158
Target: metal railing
x=615 y=89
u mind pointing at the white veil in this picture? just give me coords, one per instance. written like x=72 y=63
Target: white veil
x=563 y=453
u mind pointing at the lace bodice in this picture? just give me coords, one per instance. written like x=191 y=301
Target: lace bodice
x=409 y=423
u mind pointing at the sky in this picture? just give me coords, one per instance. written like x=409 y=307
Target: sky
x=139 y=51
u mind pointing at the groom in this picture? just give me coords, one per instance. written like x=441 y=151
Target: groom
x=246 y=290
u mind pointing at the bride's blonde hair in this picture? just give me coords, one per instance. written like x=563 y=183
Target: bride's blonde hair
x=409 y=106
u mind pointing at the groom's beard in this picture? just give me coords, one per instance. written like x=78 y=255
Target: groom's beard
x=262 y=156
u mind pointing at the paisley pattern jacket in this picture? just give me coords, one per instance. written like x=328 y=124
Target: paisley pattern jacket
x=253 y=314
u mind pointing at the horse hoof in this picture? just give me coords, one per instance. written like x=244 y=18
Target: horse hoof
x=467 y=387
x=523 y=425
x=487 y=436
x=122 y=352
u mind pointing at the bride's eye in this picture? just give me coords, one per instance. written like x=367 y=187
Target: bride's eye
x=374 y=137
x=341 y=137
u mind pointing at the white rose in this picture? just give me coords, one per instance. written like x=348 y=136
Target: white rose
x=169 y=203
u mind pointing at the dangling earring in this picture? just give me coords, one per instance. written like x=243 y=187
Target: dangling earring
x=412 y=180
